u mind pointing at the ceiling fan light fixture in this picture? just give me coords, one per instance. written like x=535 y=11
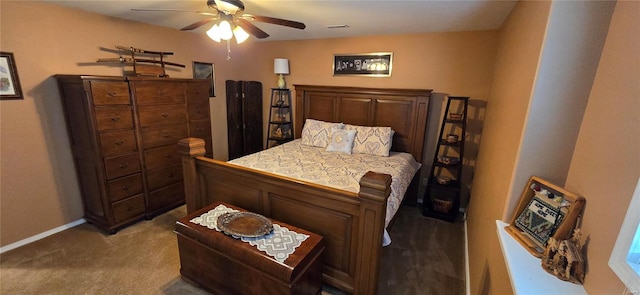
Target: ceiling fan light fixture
x=214 y=33
x=230 y=21
x=241 y=34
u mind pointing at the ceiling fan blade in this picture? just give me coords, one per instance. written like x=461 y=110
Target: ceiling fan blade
x=250 y=28
x=275 y=21
x=199 y=24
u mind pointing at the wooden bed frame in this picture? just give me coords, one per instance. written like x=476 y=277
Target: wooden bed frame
x=351 y=223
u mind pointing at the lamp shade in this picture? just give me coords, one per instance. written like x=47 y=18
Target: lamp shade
x=241 y=35
x=281 y=66
x=225 y=30
x=214 y=33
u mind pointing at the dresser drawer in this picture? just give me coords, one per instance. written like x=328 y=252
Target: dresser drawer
x=166 y=196
x=114 y=117
x=110 y=92
x=158 y=92
x=200 y=129
x=198 y=111
x=118 y=143
x=198 y=91
x=161 y=157
x=163 y=135
x=163 y=177
x=125 y=187
x=123 y=165
x=128 y=208
x=162 y=115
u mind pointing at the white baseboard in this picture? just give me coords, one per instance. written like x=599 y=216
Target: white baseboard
x=41 y=235
x=466 y=260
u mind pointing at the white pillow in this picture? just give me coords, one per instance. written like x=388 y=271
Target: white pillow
x=341 y=140
x=318 y=133
x=372 y=140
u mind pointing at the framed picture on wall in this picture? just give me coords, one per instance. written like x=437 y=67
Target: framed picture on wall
x=203 y=70
x=9 y=81
x=363 y=64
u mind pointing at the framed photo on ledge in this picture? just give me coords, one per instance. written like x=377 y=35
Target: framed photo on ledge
x=9 y=81
x=364 y=64
x=203 y=70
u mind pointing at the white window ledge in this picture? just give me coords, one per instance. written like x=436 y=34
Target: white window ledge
x=525 y=270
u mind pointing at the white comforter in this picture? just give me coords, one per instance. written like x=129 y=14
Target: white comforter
x=337 y=170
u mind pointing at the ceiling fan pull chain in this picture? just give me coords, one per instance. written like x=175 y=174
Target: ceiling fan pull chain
x=228 y=50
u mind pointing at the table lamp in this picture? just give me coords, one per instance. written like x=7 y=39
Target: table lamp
x=281 y=67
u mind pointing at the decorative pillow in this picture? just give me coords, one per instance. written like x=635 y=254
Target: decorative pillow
x=318 y=133
x=341 y=140
x=372 y=140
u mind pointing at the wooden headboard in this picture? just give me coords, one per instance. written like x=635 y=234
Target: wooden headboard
x=404 y=110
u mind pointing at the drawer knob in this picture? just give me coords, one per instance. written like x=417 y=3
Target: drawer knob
x=162 y=92
x=130 y=208
x=164 y=115
x=171 y=174
x=114 y=119
x=112 y=93
x=119 y=142
x=167 y=135
x=199 y=129
x=124 y=165
x=125 y=187
x=169 y=156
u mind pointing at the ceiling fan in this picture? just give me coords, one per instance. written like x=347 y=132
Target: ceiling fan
x=232 y=11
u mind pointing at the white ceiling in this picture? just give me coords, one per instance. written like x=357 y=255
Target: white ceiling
x=370 y=17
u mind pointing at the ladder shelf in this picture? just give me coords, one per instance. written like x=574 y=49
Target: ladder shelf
x=280 y=120
x=442 y=196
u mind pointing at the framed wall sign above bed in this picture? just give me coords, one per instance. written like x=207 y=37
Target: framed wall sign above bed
x=363 y=64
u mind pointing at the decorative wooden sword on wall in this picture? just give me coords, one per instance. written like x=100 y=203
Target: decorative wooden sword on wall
x=143 y=66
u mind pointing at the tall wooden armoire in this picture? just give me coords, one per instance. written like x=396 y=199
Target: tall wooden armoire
x=124 y=134
x=244 y=117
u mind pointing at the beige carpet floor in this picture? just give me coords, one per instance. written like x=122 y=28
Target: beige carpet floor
x=425 y=257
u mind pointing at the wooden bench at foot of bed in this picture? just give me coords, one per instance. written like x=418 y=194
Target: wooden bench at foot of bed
x=351 y=223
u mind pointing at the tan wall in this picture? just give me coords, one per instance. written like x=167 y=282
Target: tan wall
x=440 y=61
x=606 y=162
x=39 y=191
x=559 y=97
x=516 y=66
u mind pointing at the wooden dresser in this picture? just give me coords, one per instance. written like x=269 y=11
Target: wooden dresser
x=124 y=134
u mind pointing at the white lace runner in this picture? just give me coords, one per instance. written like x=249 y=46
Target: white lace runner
x=279 y=244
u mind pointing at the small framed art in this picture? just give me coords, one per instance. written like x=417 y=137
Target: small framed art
x=9 y=81
x=364 y=64
x=545 y=210
x=203 y=70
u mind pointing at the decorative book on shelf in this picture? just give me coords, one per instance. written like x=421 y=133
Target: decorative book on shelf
x=545 y=210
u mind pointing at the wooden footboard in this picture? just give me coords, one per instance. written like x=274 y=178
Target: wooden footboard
x=351 y=223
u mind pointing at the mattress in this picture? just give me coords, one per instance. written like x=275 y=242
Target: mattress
x=337 y=170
